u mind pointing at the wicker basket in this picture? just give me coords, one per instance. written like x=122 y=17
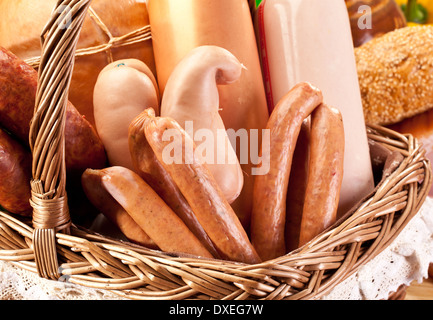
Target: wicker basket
x=53 y=247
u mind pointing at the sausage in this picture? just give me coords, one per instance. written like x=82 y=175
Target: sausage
x=15 y=175
x=137 y=65
x=325 y=172
x=92 y=185
x=292 y=54
x=83 y=147
x=122 y=92
x=180 y=26
x=18 y=84
x=200 y=189
x=147 y=166
x=296 y=190
x=150 y=212
x=270 y=189
x=191 y=98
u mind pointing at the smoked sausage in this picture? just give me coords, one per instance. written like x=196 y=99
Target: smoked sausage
x=147 y=166
x=325 y=172
x=15 y=175
x=200 y=189
x=92 y=185
x=270 y=189
x=18 y=84
x=150 y=212
x=296 y=190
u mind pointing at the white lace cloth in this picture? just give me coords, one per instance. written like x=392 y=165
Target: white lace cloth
x=404 y=261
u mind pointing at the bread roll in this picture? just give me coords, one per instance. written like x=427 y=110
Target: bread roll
x=21 y=23
x=396 y=74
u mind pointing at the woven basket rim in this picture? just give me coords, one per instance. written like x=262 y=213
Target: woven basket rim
x=310 y=272
x=73 y=254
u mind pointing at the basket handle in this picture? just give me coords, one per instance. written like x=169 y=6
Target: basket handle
x=48 y=185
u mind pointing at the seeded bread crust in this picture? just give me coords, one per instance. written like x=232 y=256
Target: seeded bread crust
x=396 y=74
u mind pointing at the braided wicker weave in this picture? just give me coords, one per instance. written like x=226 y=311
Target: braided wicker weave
x=53 y=247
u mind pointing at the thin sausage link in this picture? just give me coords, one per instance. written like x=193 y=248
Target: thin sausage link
x=325 y=172
x=202 y=192
x=150 y=169
x=270 y=190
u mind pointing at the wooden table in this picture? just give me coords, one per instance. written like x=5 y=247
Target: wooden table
x=421 y=127
x=420 y=291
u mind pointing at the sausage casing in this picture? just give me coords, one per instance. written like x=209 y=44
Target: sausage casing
x=15 y=175
x=18 y=85
x=270 y=189
x=325 y=173
x=200 y=189
x=150 y=212
x=297 y=187
x=150 y=169
x=92 y=185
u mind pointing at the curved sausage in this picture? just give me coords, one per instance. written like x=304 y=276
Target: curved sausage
x=15 y=175
x=191 y=98
x=150 y=169
x=296 y=190
x=200 y=189
x=18 y=84
x=180 y=26
x=150 y=212
x=83 y=147
x=325 y=173
x=92 y=185
x=270 y=189
x=121 y=93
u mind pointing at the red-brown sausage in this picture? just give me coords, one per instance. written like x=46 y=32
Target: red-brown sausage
x=92 y=185
x=18 y=84
x=325 y=172
x=200 y=189
x=297 y=187
x=150 y=169
x=150 y=212
x=270 y=189
x=83 y=147
x=15 y=175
